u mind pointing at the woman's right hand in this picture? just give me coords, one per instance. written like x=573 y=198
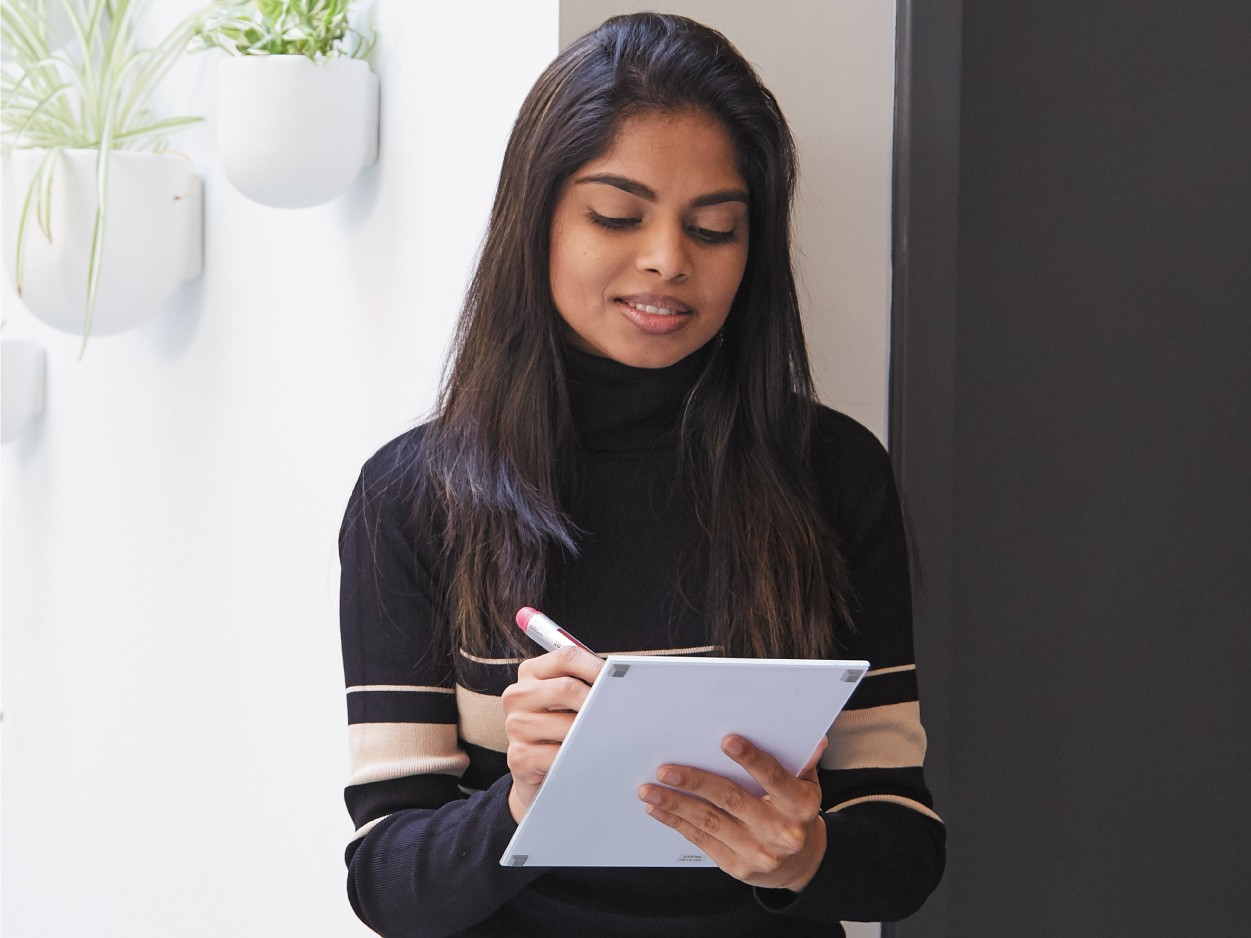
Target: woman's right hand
x=538 y=711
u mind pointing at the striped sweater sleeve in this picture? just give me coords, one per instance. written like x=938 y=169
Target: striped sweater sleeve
x=886 y=844
x=425 y=856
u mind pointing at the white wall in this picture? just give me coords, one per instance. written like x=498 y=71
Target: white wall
x=172 y=735
x=173 y=722
x=831 y=64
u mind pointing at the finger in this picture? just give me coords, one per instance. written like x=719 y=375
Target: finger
x=537 y=726
x=726 y=842
x=809 y=771
x=529 y=763
x=708 y=788
x=764 y=856
x=799 y=798
x=721 y=807
x=708 y=843
x=700 y=822
x=570 y=660
x=563 y=692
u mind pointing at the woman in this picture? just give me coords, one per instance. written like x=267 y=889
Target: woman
x=627 y=439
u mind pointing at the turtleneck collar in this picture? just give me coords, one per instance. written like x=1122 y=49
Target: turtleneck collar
x=619 y=407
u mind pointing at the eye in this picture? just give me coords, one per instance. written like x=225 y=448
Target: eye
x=610 y=222
x=712 y=236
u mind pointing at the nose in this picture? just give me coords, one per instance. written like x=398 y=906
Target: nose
x=664 y=251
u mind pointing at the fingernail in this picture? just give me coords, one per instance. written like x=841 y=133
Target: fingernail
x=669 y=776
x=734 y=746
x=650 y=795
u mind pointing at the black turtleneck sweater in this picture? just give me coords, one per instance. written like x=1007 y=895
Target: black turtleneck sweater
x=429 y=785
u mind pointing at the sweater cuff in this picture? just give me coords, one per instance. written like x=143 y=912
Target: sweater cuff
x=881 y=862
x=813 y=900
x=494 y=801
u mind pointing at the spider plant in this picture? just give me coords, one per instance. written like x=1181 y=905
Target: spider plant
x=94 y=92
x=318 y=29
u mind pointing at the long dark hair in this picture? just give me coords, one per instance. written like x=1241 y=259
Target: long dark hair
x=776 y=582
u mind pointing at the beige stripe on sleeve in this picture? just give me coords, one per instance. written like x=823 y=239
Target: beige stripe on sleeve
x=481 y=719
x=398 y=689
x=889 y=799
x=887 y=737
x=495 y=661
x=381 y=751
x=896 y=669
x=367 y=827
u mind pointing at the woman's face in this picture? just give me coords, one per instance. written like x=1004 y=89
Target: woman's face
x=649 y=241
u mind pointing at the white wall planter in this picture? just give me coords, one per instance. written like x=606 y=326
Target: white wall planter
x=22 y=370
x=293 y=133
x=153 y=241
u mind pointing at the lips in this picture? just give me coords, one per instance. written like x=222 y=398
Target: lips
x=655 y=310
x=654 y=315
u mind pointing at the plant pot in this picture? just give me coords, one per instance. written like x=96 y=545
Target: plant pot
x=153 y=240
x=22 y=367
x=293 y=133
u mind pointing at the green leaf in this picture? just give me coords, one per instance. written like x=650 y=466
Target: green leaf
x=36 y=111
x=96 y=258
x=160 y=127
x=43 y=213
x=23 y=220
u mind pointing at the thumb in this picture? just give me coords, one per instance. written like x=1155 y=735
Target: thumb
x=809 y=771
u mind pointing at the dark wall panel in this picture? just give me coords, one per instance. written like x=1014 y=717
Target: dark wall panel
x=922 y=361
x=1071 y=411
x=1101 y=533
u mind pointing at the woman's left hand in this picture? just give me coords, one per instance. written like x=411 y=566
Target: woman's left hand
x=776 y=840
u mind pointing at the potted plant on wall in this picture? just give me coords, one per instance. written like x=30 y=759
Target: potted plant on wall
x=297 y=101
x=101 y=224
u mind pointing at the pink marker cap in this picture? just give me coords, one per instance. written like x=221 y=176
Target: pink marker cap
x=524 y=615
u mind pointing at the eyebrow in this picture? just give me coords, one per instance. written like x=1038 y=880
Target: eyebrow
x=633 y=187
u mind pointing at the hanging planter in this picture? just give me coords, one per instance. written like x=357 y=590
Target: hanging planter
x=22 y=368
x=153 y=242
x=92 y=222
x=292 y=132
x=297 y=102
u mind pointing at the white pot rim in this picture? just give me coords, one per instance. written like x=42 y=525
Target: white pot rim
x=291 y=60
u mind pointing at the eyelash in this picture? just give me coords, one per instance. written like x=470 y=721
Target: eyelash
x=706 y=235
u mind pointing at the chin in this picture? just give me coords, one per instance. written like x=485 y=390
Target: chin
x=650 y=358
x=651 y=354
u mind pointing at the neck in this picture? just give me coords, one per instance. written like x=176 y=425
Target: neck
x=619 y=407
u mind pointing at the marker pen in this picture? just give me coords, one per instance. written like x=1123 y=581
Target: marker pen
x=544 y=631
